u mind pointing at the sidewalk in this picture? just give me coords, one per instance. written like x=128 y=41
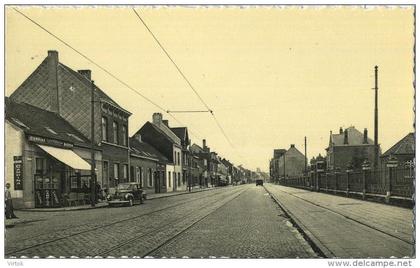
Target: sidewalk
x=348 y=228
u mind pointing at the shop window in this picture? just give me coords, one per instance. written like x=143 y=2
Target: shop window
x=40 y=166
x=104 y=128
x=125 y=135
x=73 y=182
x=115 y=132
x=150 y=178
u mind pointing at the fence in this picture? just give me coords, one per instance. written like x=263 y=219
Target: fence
x=390 y=182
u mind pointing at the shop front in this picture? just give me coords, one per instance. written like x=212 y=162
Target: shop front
x=61 y=177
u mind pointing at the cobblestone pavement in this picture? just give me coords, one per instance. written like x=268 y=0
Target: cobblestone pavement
x=347 y=227
x=36 y=228
x=250 y=226
x=240 y=221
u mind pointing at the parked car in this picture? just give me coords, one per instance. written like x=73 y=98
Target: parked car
x=259 y=182
x=128 y=194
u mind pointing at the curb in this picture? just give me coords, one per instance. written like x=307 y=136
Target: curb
x=61 y=209
x=309 y=237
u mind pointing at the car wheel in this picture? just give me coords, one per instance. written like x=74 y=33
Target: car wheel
x=130 y=202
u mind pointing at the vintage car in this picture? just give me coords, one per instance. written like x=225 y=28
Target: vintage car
x=259 y=182
x=128 y=194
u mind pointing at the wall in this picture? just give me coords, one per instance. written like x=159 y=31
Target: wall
x=14 y=138
x=141 y=167
x=169 y=178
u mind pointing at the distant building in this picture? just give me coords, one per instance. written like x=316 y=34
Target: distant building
x=161 y=137
x=349 y=147
x=403 y=151
x=291 y=163
x=274 y=165
x=182 y=133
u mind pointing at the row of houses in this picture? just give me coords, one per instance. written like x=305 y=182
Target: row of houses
x=51 y=120
x=347 y=149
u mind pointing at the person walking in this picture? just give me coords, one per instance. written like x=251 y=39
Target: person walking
x=9 y=204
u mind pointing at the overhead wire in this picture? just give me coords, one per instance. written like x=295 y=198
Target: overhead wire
x=102 y=68
x=186 y=79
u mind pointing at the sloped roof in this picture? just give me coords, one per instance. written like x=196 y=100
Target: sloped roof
x=102 y=95
x=196 y=148
x=146 y=150
x=355 y=137
x=174 y=140
x=181 y=132
x=405 y=146
x=35 y=121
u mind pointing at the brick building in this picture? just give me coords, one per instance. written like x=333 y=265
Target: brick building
x=147 y=166
x=158 y=134
x=275 y=164
x=349 y=147
x=47 y=160
x=57 y=88
x=186 y=163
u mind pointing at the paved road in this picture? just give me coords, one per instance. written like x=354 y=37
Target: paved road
x=240 y=221
x=347 y=228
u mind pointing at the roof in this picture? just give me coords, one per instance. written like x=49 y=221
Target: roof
x=35 y=121
x=146 y=150
x=165 y=132
x=355 y=137
x=196 y=148
x=102 y=95
x=405 y=146
x=181 y=132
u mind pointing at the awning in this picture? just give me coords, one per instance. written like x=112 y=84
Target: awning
x=66 y=156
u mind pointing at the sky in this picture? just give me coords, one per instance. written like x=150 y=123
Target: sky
x=272 y=75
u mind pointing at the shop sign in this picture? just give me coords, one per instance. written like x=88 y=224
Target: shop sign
x=52 y=142
x=18 y=172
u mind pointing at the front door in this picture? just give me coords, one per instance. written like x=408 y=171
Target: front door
x=156 y=179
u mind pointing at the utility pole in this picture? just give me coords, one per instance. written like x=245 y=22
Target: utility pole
x=306 y=159
x=375 y=165
x=92 y=138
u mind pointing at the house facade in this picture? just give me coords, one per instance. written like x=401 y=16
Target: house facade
x=47 y=160
x=349 y=147
x=147 y=166
x=159 y=135
x=59 y=89
x=291 y=163
x=186 y=161
x=404 y=151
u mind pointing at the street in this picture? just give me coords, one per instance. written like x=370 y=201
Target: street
x=237 y=222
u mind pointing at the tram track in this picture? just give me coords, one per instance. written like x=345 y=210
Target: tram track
x=178 y=233
x=100 y=226
x=316 y=244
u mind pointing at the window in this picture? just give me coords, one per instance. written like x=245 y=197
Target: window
x=116 y=171
x=138 y=175
x=179 y=162
x=104 y=128
x=163 y=178
x=141 y=177
x=125 y=172
x=106 y=173
x=73 y=182
x=125 y=135
x=150 y=178
x=41 y=165
x=169 y=178
x=115 y=131
x=132 y=174
x=179 y=179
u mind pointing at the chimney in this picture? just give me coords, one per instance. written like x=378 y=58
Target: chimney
x=157 y=118
x=52 y=82
x=365 y=136
x=341 y=130
x=166 y=122
x=346 y=137
x=138 y=137
x=86 y=73
x=204 y=143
